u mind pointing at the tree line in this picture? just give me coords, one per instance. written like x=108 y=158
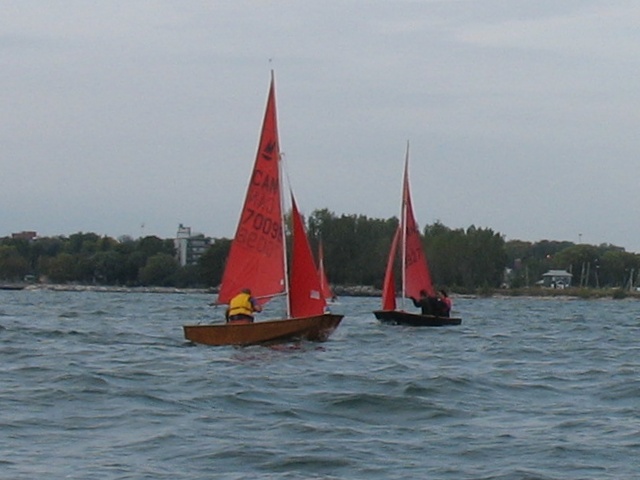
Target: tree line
x=355 y=248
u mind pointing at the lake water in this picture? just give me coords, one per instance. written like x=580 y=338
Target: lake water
x=103 y=386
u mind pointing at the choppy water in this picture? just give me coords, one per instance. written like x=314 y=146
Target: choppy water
x=103 y=386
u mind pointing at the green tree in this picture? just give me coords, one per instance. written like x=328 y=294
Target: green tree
x=46 y=247
x=61 y=268
x=469 y=259
x=152 y=245
x=134 y=263
x=108 y=267
x=82 y=243
x=189 y=276
x=13 y=266
x=487 y=256
x=355 y=246
x=213 y=261
x=445 y=251
x=160 y=270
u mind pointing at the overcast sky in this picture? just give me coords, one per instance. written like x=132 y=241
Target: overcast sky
x=129 y=118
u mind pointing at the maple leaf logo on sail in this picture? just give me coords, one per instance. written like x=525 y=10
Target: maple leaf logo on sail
x=267 y=153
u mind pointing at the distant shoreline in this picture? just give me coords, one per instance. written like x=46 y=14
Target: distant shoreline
x=344 y=291
x=101 y=288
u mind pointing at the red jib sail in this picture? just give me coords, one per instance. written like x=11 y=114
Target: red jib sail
x=256 y=258
x=324 y=281
x=305 y=297
x=416 y=269
x=389 y=285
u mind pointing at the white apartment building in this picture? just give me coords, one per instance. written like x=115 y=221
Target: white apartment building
x=190 y=247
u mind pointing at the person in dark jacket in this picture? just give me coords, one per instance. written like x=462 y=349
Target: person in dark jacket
x=427 y=304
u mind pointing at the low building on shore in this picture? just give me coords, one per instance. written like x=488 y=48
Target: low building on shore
x=557 y=279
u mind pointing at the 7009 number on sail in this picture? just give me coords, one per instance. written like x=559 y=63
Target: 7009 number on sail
x=259 y=232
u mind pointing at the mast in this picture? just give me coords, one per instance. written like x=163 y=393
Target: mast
x=282 y=215
x=403 y=216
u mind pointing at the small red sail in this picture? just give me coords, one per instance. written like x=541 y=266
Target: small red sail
x=305 y=296
x=389 y=285
x=324 y=281
x=416 y=269
x=256 y=258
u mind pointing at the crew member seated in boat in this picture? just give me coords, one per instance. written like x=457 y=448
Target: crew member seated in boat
x=427 y=304
x=444 y=304
x=242 y=307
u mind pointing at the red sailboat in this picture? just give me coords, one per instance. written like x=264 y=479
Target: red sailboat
x=415 y=269
x=257 y=260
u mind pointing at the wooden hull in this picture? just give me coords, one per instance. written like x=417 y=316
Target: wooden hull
x=316 y=329
x=398 y=317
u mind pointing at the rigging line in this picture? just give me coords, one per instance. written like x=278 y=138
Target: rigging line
x=285 y=174
x=281 y=171
x=273 y=295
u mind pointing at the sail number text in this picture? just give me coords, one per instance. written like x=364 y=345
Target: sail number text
x=260 y=233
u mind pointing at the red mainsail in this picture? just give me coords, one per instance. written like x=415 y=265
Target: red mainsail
x=256 y=258
x=305 y=295
x=417 y=276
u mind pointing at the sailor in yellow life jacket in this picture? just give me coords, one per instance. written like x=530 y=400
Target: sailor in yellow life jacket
x=242 y=307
